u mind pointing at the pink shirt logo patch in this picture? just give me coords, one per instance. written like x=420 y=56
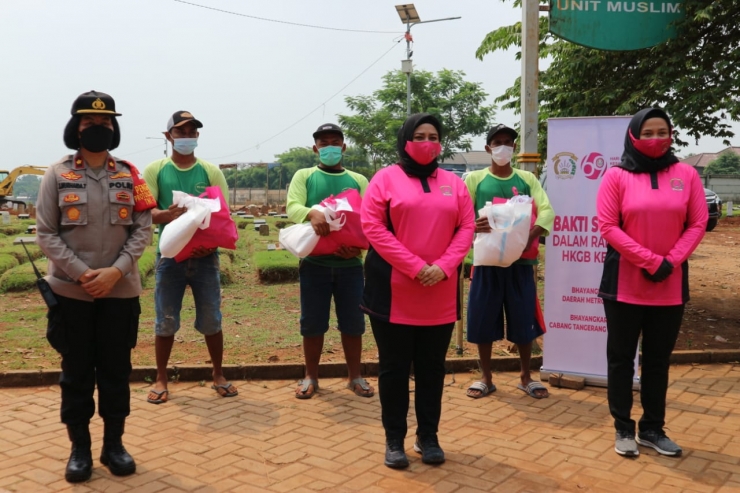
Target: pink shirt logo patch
x=446 y=190
x=677 y=184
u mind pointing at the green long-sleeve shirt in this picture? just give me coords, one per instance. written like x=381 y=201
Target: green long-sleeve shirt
x=309 y=187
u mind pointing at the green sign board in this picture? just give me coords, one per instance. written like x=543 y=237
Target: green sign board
x=615 y=25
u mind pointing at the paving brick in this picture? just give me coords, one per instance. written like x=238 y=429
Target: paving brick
x=269 y=442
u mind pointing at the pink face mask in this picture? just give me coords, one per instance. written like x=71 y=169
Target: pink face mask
x=652 y=148
x=423 y=152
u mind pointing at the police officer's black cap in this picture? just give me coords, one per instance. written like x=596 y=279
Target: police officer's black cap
x=180 y=118
x=500 y=128
x=94 y=102
x=328 y=128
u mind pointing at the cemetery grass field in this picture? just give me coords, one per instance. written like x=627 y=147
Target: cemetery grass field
x=260 y=318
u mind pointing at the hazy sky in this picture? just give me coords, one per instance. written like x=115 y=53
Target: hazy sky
x=245 y=79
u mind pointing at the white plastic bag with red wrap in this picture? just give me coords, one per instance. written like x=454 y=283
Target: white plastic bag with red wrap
x=510 y=224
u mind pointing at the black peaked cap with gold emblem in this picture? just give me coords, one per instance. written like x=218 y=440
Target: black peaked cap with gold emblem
x=94 y=102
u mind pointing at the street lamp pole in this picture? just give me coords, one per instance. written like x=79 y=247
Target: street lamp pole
x=529 y=157
x=160 y=138
x=409 y=16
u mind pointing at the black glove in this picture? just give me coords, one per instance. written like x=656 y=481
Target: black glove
x=665 y=270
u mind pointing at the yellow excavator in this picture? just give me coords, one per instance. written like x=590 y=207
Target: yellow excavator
x=7 y=180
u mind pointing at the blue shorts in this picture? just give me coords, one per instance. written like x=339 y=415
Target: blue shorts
x=318 y=285
x=203 y=277
x=495 y=291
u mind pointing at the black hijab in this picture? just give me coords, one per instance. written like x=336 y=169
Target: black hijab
x=632 y=159
x=405 y=134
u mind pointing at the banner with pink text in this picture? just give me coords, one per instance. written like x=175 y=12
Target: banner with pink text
x=580 y=150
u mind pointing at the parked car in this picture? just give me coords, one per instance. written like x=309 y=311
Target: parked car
x=714 y=203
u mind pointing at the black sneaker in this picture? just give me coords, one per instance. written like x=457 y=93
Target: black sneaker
x=395 y=456
x=428 y=446
x=660 y=442
x=625 y=444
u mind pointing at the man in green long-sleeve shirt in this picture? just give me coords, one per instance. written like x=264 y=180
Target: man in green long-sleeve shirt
x=509 y=291
x=322 y=277
x=186 y=173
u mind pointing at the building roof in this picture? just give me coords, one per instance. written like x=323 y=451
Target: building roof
x=701 y=161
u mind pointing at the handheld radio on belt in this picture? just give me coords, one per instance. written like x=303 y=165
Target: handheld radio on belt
x=41 y=283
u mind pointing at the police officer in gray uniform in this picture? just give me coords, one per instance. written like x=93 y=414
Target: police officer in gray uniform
x=90 y=229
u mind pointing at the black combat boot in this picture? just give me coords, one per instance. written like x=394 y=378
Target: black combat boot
x=79 y=467
x=114 y=455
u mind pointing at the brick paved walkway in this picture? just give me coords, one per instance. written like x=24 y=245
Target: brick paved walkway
x=266 y=440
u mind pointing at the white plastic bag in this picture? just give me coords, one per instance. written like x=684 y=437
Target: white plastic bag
x=335 y=221
x=509 y=234
x=178 y=233
x=299 y=239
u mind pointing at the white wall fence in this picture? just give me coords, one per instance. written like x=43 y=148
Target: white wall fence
x=256 y=196
x=726 y=186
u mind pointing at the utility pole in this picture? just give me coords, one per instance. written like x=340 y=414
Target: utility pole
x=236 y=169
x=529 y=156
x=409 y=16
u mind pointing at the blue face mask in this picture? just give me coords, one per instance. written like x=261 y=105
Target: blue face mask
x=330 y=155
x=185 y=146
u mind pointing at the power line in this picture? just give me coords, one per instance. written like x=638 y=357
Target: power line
x=286 y=22
x=140 y=151
x=313 y=110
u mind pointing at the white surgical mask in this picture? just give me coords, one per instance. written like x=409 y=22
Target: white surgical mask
x=501 y=155
x=185 y=146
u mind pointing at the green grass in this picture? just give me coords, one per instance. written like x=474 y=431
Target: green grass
x=20 y=278
x=7 y=262
x=12 y=230
x=19 y=253
x=226 y=269
x=147 y=261
x=276 y=266
x=260 y=320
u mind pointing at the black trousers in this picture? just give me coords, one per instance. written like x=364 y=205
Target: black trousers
x=398 y=347
x=659 y=326
x=95 y=340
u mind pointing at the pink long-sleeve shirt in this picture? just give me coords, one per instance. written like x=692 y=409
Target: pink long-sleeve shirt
x=646 y=218
x=409 y=226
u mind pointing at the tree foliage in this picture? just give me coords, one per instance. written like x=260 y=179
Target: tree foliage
x=27 y=186
x=728 y=163
x=459 y=104
x=693 y=77
x=291 y=161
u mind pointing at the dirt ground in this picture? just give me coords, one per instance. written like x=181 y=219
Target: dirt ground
x=712 y=319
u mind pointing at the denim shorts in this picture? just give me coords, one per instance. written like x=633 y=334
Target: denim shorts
x=499 y=291
x=172 y=277
x=318 y=285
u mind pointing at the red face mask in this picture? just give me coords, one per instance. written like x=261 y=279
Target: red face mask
x=423 y=152
x=652 y=148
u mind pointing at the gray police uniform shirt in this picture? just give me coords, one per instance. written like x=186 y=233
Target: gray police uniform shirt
x=87 y=221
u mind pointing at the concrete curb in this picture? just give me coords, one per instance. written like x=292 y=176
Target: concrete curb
x=295 y=371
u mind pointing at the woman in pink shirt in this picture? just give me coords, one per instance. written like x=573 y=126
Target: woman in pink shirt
x=419 y=220
x=653 y=214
